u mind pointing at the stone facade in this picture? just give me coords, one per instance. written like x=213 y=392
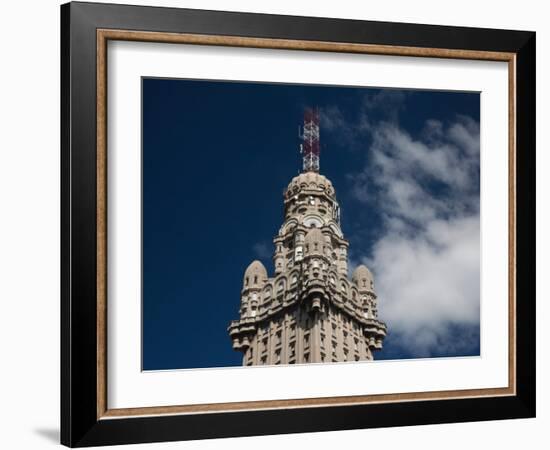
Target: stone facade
x=308 y=311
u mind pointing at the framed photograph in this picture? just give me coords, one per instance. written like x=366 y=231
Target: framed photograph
x=276 y=224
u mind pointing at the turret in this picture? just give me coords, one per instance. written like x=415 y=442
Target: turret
x=254 y=280
x=363 y=279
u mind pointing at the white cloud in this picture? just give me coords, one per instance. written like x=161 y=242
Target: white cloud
x=262 y=250
x=332 y=119
x=428 y=281
x=427 y=262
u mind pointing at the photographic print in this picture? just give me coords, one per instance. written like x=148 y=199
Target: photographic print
x=276 y=224
x=295 y=224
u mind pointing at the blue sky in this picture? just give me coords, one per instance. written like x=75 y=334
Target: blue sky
x=217 y=156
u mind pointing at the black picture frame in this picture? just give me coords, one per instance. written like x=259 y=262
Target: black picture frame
x=80 y=425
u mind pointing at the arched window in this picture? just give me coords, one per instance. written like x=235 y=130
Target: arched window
x=343 y=287
x=246 y=281
x=255 y=279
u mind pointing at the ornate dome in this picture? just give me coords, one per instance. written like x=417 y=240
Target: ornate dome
x=362 y=277
x=310 y=180
x=255 y=274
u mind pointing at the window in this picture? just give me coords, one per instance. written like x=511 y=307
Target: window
x=255 y=279
x=264 y=360
x=281 y=285
x=246 y=281
x=343 y=287
x=306 y=357
x=278 y=338
x=278 y=357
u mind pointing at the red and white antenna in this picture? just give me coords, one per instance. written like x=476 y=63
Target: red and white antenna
x=310 y=140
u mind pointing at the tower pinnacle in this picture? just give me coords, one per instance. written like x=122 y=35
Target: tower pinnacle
x=309 y=148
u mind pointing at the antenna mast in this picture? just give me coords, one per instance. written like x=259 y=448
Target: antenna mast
x=310 y=140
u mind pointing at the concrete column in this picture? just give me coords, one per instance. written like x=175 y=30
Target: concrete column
x=363 y=347
x=270 y=343
x=256 y=345
x=284 y=338
x=340 y=338
x=299 y=337
x=314 y=340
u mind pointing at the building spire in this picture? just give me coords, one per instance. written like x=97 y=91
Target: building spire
x=309 y=148
x=309 y=287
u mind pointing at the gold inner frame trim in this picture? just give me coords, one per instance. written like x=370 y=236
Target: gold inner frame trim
x=104 y=35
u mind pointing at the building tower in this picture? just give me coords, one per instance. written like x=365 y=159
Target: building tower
x=308 y=311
